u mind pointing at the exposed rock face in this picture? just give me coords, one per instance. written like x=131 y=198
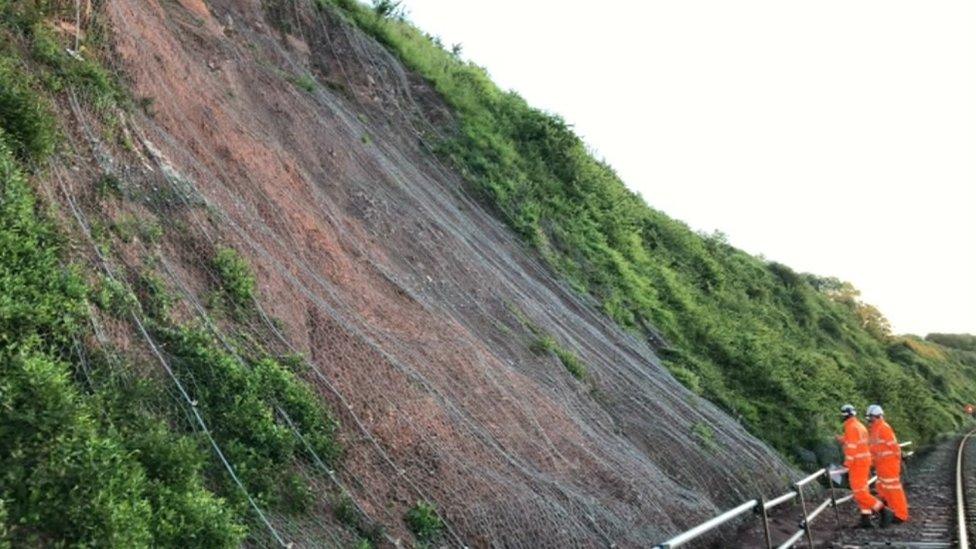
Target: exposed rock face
x=416 y=308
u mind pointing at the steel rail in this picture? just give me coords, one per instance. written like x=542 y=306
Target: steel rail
x=960 y=494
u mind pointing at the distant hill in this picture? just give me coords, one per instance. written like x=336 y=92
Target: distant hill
x=963 y=342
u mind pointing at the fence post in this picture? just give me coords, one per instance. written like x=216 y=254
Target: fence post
x=833 y=498
x=803 y=519
x=761 y=509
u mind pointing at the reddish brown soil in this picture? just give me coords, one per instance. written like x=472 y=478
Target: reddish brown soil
x=406 y=294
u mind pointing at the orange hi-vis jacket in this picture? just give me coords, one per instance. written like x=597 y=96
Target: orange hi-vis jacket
x=887 y=463
x=883 y=444
x=857 y=459
x=855 y=442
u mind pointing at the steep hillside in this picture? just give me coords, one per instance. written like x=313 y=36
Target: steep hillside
x=288 y=272
x=246 y=239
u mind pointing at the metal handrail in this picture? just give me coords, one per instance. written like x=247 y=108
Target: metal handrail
x=760 y=507
x=779 y=500
x=709 y=525
x=792 y=539
x=811 y=478
x=804 y=525
x=816 y=512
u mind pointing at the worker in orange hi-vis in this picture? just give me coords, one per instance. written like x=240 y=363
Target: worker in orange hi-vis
x=887 y=464
x=857 y=460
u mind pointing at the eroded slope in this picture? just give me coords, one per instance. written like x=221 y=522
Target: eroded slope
x=442 y=343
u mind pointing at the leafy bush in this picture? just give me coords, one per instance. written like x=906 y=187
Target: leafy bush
x=545 y=344
x=572 y=364
x=304 y=81
x=24 y=115
x=423 y=521
x=235 y=277
x=704 y=435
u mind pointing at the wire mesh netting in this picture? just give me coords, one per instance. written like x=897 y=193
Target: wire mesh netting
x=416 y=313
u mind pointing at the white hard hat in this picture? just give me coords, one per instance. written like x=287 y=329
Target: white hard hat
x=847 y=410
x=875 y=410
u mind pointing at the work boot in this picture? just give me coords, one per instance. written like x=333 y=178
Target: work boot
x=887 y=517
x=865 y=521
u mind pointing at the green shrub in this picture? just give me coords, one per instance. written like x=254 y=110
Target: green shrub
x=83 y=75
x=304 y=81
x=422 y=519
x=704 y=435
x=545 y=344
x=25 y=117
x=235 y=277
x=687 y=378
x=572 y=364
x=155 y=297
x=964 y=342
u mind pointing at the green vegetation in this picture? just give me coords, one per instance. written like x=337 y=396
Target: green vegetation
x=28 y=126
x=77 y=466
x=243 y=403
x=422 y=519
x=128 y=227
x=304 y=81
x=778 y=349
x=546 y=344
x=236 y=280
x=28 y=22
x=704 y=435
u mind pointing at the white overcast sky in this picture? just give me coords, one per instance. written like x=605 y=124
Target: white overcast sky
x=837 y=136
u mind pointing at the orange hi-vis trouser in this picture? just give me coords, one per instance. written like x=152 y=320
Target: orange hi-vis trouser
x=889 y=487
x=887 y=464
x=857 y=459
x=858 y=473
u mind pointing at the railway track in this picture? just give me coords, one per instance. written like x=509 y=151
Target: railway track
x=940 y=487
x=966 y=491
